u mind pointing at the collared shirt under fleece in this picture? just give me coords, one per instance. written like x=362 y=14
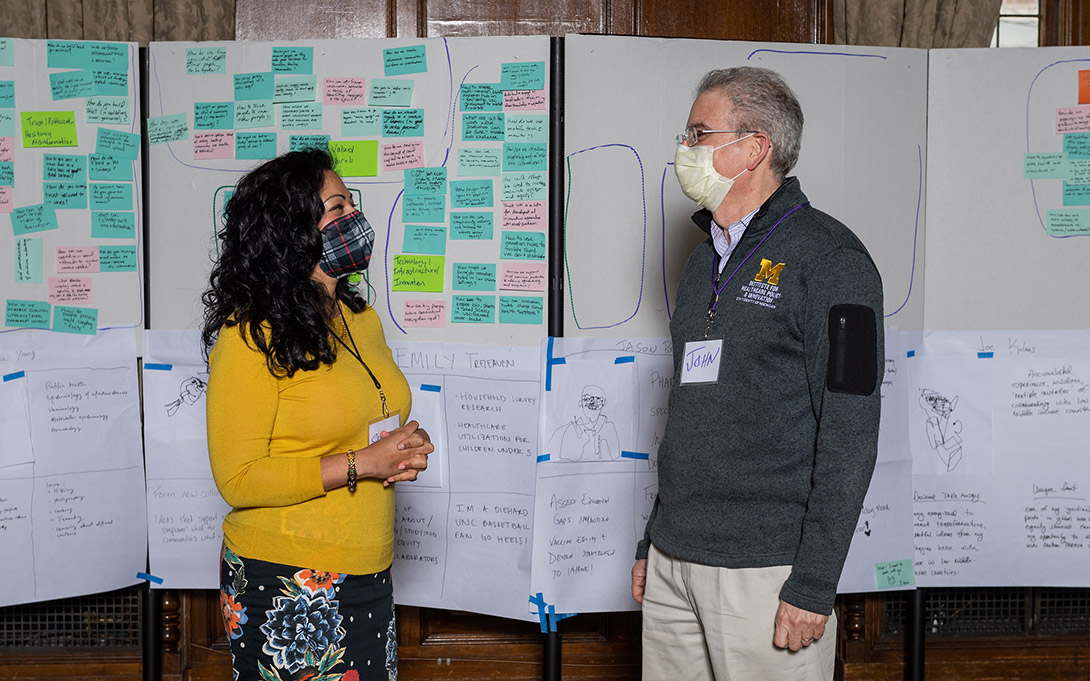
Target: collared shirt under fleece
x=768 y=466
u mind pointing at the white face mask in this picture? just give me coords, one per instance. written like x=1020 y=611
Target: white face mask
x=698 y=177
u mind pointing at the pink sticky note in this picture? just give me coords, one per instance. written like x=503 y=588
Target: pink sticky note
x=524 y=215
x=425 y=313
x=6 y=205
x=345 y=91
x=7 y=149
x=401 y=155
x=216 y=144
x=1073 y=119
x=64 y=290
x=524 y=100
x=523 y=276
x=77 y=259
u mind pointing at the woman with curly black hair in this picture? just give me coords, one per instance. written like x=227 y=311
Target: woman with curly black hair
x=307 y=430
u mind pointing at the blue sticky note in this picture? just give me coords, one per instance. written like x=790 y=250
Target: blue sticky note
x=473 y=276
x=110 y=196
x=1076 y=145
x=390 y=92
x=522 y=245
x=483 y=127
x=66 y=54
x=361 y=122
x=110 y=168
x=108 y=224
x=107 y=110
x=205 y=60
x=403 y=123
x=7 y=52
x=72 y=84
x=301 y=116
x=425 y=239
x=7 y=94
x=117 y=258
x=252 y=146
x=108 y=56
x=1041 y=166
x=522 y=75
x=402 y=61
x=471 y=194
x=32 y=219
x=480 y=97
x=29 y=314
x=473 y=309
x=63 y=168
x=519 y=156
x=471 y=225
x=293 y=60
x=250 y=86
x=7 y=173
x=254 y=113
x=521 y=310
x=480 y=161
x=526 y=128
x=214 y=116
x=426 y=180
x=527 y=186
x=424 y=208
x=83 y=320
x=171 y=128
x=28 y=261
x=1076 y=194
x=111 y=83
x=893 y=574
x=65 y=194
x=118 y=143
x=295 y=89
x=7 y=123
x=301 y=142
x=1069 y=222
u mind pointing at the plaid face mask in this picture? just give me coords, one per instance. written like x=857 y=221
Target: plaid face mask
x=346 y=245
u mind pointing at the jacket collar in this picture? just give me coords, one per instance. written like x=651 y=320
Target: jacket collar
x=784 y=199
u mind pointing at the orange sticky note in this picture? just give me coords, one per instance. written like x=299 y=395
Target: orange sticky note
x=1084 y=87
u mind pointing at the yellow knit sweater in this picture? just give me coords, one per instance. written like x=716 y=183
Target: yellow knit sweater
x=266 y=436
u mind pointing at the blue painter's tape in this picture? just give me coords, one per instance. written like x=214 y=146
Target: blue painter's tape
x=158 y=367
x=910 y=353
x=542 y=458
x=149 y=578
x=985 y=355
x=642 y=456
x=552 y=618
x=12 y=377
x=430 y=388
x=542 y=612
x=625 y=360
x=549 y=362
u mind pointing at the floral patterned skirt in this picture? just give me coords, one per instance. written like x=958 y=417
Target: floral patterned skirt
x=294 y=624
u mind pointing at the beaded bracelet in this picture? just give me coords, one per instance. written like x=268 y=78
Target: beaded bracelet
x=351 y=470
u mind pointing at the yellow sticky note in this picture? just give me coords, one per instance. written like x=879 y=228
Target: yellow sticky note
x=49 y=128
x=355 y=158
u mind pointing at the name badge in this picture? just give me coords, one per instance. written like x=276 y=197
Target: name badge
x=701 y=362
x=389 y=424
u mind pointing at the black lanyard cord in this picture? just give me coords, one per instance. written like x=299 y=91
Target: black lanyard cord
x=355 y=352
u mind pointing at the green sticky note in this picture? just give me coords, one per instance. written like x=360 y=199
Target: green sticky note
x=424 y=208
x=251 y=146
x=214 y=116
x=426 y=180
x=110 y=196
x=528 y=186
x=250 y=86
x=64 y=168
x=301 y=116
x=7 y=52
x=522 y=75
x=32 y=219
x=473 y=309
x=255 y=113
x=26 y=314
x=118 y=143
x=7 y=123
x=471 y=225
x=355 y=158
x=521 y=310
x=522 y=245
x=28 y=261
x=172 y=128
x=108 y=56
x=107 y=110
x=109 y=224
x=7 y=173
x=480 y=97
x=1076 y=145
x=110 y=168
x=117 y=258
x=473 y=276
x=65 y=194
x=1076 y=194
x=295 y=89
x=425 y=239
x=893 y=574
x=1045 y=166
x=390 y=92
x=1067 y=222
x=204 y=60
x=480 y=161
x=519 y=156
x=293 y=60
x=471 y=194
x=66 y=54
x=526 y=128
x=67 y=319
x=403 y=123
x=7 y=94
x=71 y=84
x=302 y=142
x=401 y=61
x=418 y=273
x=361 y=122
x=482 y=127
x=111 y=83
x=49 y=128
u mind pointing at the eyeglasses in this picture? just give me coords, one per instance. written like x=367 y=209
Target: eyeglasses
x=692 y=135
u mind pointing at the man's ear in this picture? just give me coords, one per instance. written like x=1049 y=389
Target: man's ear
x=759 y=148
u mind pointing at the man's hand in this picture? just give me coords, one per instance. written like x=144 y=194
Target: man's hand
x=639 y=579
x=795 y=628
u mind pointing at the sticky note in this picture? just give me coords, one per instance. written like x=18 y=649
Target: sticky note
x=1039 y=166
x=66 y=54
x=471 y=194
x=117 y=258
x=110 y=168
x=355 y=158
x=214 y=116
x=424 y=208
x=1084 y=87
x=49 y=128
x=28 y=261
x=361 y=122
x=107 y=56
x=205 y=60
x=7 y=52
x=255 y=145
x=301 y=116
x=1073 y=119
x=30 y=314
x=1067 y=222
x=255 y=113
x=473 y=276
x=479 y=161
x=401 y=155
x=7 y=148
x=524 y=100
x=215 y=144
x=295 y=89
x=111 y=83
x=424 y=313
x=293 y=60
x=71 y=84
x=471 y=225
x=894 y=573
x=480 y=97
x=483 y=127
x=473 y=309
x=522 y=245
x=418 y=273
x=76 y=259
x=521 y=310
x=403 y=123
x=1078 y=171
x=7 y=173
x=523 y=276
x=7 y=201
x=301 y=142
x=426 y=181
x=524 y=215
x=1076 y=194
x=401 y=61
x=171 y=128
x=425 y=239
x=63 y=290
x=65 y=195
x=390 y=92
x=7 y=94
x=522 y=75
x=109 y=224
x=110 y=196
x=64 y=168
x=519 y=156
x=107 y=110
x=7 y=124
x=250 y=86
x=345 y=91
x=528 y=186
x=526 y=128
x=32 y=219
x=68 y=319
x=118 y=143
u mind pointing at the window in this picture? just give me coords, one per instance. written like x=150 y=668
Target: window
x=1019 y=24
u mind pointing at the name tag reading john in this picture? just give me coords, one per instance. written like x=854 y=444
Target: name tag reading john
x=701 y=362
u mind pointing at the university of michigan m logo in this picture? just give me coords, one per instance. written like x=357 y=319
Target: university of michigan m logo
x=769 y=273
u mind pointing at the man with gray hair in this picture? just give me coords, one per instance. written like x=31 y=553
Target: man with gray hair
x=772 y=432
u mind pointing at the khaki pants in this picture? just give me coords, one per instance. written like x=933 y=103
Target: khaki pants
x=704 y=622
